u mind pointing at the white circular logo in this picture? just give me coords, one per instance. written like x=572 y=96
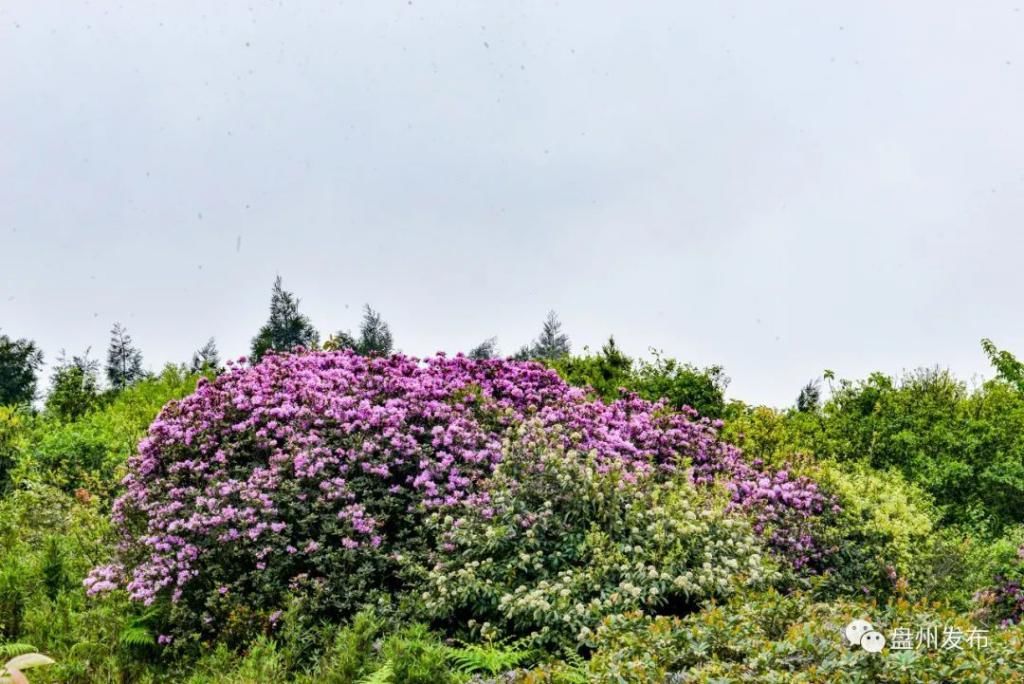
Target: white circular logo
x=872 y=642
x=856 y=630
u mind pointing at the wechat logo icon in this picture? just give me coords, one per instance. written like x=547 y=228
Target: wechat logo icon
x=861 y=633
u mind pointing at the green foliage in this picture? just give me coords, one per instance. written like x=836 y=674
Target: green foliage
x=352 y=652
x=11 y=650
x=682 y=385
x=491 y=658
x=206 y=358
x=50 y=541
x=89 y=452
x=565 y=543
x=769 y=637
x=1006 y=364
x=606 y=373
x=488 y=349
x=551 y=344
x=809 y=399
x=772 y=436
x=12 y=433
x=53 y=568
x=74 y=387
x=416 y=656
x=286 y=328
x=571 y=574
x=138 y=635
x=374 y=337
x=881 y=534
x=262 y=663
x=124 y=361
x=20 y=360
x=609 y=372
x=385 y=674
x=959 y=568
x=14 y=592
x=964 y=448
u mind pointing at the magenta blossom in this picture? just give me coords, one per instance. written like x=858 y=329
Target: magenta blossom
x=330 y=453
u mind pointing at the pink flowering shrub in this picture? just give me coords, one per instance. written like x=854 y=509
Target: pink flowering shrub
x=311 y=473
x=1005 y=601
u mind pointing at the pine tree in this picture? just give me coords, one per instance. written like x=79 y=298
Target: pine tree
x=286 y=328
x=552 y=343
x=206 y=357
x=809 y=399
x=20 y=360
x=488 y=349
x=124 y=361
x=524 y=353
x=374 y=335
x=74 y=386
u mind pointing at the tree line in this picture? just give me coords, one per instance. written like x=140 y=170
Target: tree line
x=76 y=382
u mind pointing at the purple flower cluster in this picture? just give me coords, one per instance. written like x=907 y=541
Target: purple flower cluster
x=305 y=454
x=785 y=509
x=1008 y=594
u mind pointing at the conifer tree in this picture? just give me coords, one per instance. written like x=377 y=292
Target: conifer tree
x=124 y=361
x=809 y=399
x=552 y=343
x=206 y=357
x=374 y=335
x=488 y=349
x=286 y=328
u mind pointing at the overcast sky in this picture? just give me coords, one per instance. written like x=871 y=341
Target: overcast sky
x=777 y=187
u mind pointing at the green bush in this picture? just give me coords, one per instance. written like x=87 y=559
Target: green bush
x=89 y=453
x=564 y=543
x=769 y=637
x=416 y=656
x=610 y=371
x=12 y=431
x=881 y=533
x=965 y=448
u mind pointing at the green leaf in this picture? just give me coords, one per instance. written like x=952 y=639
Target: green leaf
x=15 y=649
x=384 y=675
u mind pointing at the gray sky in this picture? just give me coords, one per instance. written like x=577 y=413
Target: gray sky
x=776 y=187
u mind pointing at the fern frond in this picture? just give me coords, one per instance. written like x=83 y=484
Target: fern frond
x=15 y=649
x=489 y=659
x=87 y=648
x=576 y=672
x=135 y=635
x=384 y=675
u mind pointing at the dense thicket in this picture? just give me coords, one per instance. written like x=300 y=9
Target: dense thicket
x=331 y=516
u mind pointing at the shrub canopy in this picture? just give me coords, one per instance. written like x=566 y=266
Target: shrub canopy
x=314 y=471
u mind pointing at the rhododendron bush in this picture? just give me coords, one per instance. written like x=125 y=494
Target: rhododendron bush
x=312 y=473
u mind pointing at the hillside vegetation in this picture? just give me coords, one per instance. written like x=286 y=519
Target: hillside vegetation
x=345 y=513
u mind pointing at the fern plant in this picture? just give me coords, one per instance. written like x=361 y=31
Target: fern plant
x=385 y=674
x=15 y=649
x=575 y=670
x=489 y=659
x=137 y=634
